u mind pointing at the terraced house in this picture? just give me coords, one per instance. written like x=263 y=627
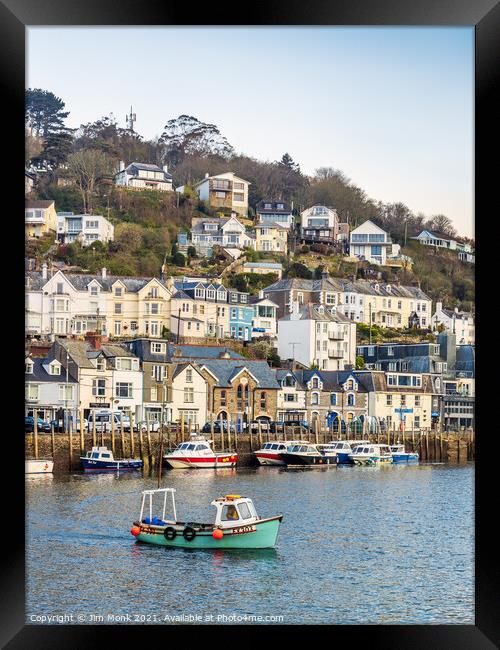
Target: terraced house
x=386 y=305
x=70 y=304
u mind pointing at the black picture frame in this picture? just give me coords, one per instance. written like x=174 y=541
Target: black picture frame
x=484 y=15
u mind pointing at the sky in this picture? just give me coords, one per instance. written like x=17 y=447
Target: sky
x=393 y=108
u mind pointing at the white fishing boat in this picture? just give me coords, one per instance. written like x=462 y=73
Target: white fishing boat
x=269 y=453
x=399 y=455
x=38 y=466
x=369 y=454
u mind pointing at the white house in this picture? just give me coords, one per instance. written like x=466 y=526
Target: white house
x=371 y=243
x=188 y=395
x=319 y=223
x=48 y=388
x=225 y=191
x=144 y=176
x=225 y=232
x=316 y=335
x=86 y=228
x=291 y=400
x=460 y=323
x=264 y=320
x=431 y=239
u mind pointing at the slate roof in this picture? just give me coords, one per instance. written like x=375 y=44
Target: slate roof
x=261 y=265
x=82 y=351
x=80 y=281
x=311 y=312
x=40 y=375
x=142 y=348
x=40 y=205
x=146 y=167
x=225 y=369
x=273 y=209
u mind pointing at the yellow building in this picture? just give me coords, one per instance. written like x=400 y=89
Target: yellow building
x=271 y=238
x=40 y=218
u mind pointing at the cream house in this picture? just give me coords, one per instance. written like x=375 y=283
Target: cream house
x=271 y=237
x=291 y=400
x=188 y=395
x=40 y=218
x=225 y=191
x=64 y=304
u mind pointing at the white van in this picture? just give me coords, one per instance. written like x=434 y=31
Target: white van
x=103 y=421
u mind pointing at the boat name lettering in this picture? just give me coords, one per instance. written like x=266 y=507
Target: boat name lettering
x=244 y=529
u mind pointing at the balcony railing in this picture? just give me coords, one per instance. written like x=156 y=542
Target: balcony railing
x=335 y=354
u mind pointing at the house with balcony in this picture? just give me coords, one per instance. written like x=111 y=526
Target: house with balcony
x=85 y=228
x=274 y=212
x=315 y=335
x=271 y=238
x=226 y=192
x=368 y=242
x=40 y=218
x=321 y=224
x=224 y=232
x=439 y=240
x=144 y=176
x=291 y=400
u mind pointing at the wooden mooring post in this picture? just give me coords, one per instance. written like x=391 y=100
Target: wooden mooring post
x=82 y=434
x=35 y=432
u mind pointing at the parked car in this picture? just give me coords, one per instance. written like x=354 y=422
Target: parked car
x=29 y=425
x=103 y=421
x=62 y=424
x=207 y=428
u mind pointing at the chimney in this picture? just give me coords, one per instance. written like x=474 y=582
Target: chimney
x=103 y=273
x=439 y=306
x=261 y=293
x=44 y=271
x=207 y=175
x=122 y=166
x=165 y=169
x=95 y=339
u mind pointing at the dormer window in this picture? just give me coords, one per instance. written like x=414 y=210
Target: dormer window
x=118 y=291
x=28 y=367
x=101 y=363
x=55 y=369
x=280 y=206
x=199 y=293
x=93 y=290
x=267 y=206
x=315 y=382
x=158 y=348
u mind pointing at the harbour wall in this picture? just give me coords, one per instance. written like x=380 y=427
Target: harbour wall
x=66 y=448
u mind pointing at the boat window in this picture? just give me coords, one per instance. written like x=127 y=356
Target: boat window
x=274 y=446
x=244 y=511
x=229 y=513
x=105 y=455
x=95 y=455
x=191 y=447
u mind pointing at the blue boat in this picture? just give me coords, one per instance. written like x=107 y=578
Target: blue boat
x=100 y=459
x=399 y=455
x=344 y=450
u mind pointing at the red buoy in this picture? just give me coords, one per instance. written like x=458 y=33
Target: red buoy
x=135 y=530
x=217 y=534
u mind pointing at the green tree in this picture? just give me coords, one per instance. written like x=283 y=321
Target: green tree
x=44 y=111
x=298 y=270
x=191 y=252
x=178 y=259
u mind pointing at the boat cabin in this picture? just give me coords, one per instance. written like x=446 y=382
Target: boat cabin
x=198 y=447
x=234 y=509
x=302 y=449
x=397 y=449
x=100 y=453
x=378 y=450
x=274 y=446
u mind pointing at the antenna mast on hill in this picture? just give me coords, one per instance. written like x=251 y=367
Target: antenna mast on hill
x=131 y=118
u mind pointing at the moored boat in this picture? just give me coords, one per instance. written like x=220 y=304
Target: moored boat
x=197 y=453
x=370 y=454
x=236 y=525
x=399 y=455
x=344 y=448
x=269 y=453
x=307 y=454
x=38 y=466
x=100 y=459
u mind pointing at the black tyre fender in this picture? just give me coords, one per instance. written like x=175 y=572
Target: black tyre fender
x=170 y=533
x=189 y=533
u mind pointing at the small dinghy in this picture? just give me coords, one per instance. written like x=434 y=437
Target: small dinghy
x=236 y=525
x=39 y=466
x=101 y=459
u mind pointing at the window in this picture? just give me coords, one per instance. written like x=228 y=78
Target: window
x=123 y=389
x=118 y=328
x=244 y=511
x=351 y=399
x=60 y=287
x=189 y=375
x=417 y=400
x=389 y=400
x=189 y=395
x=314 y=398
x=99 y=387
x=54 y=369
x=333 y=399
x=154 y=393
x=223 y=398
x=118 y=291
x=403 y=400
x=31 y=392
x=390 y=351
x=93 y=291
x=66 y=393
x=28 y=367
x=238 y=196
x=158 y=348
x=416 y=422
x=315 y=382
x=158 y=372
x=118 y=307
x=263 y=401
x=155 y=308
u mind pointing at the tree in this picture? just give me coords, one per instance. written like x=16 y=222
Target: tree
x=442 y=224
x=360 y=363
x=44 y=111
x=186 y=135
x=298 y=270
x=58 y=145
x=179 y=260
x=88 y=167
x=191 y=252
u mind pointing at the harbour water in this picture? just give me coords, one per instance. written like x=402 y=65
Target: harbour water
x=358 y=545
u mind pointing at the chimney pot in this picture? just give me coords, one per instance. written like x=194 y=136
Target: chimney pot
x=44 y=271
x=95 y=339
x=122 y=165
x=207 y=175
x=165 y=168
x=103 y=273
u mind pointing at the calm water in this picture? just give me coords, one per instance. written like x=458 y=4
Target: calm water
x=357 y=545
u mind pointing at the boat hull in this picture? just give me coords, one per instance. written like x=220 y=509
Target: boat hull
x=93 y=465
x=404 y=458
x=371 y=460
x=201 y=462
x=38 y=466
x=297 y=460
x=261 y=534
x=343 y=458
x=268 y=459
